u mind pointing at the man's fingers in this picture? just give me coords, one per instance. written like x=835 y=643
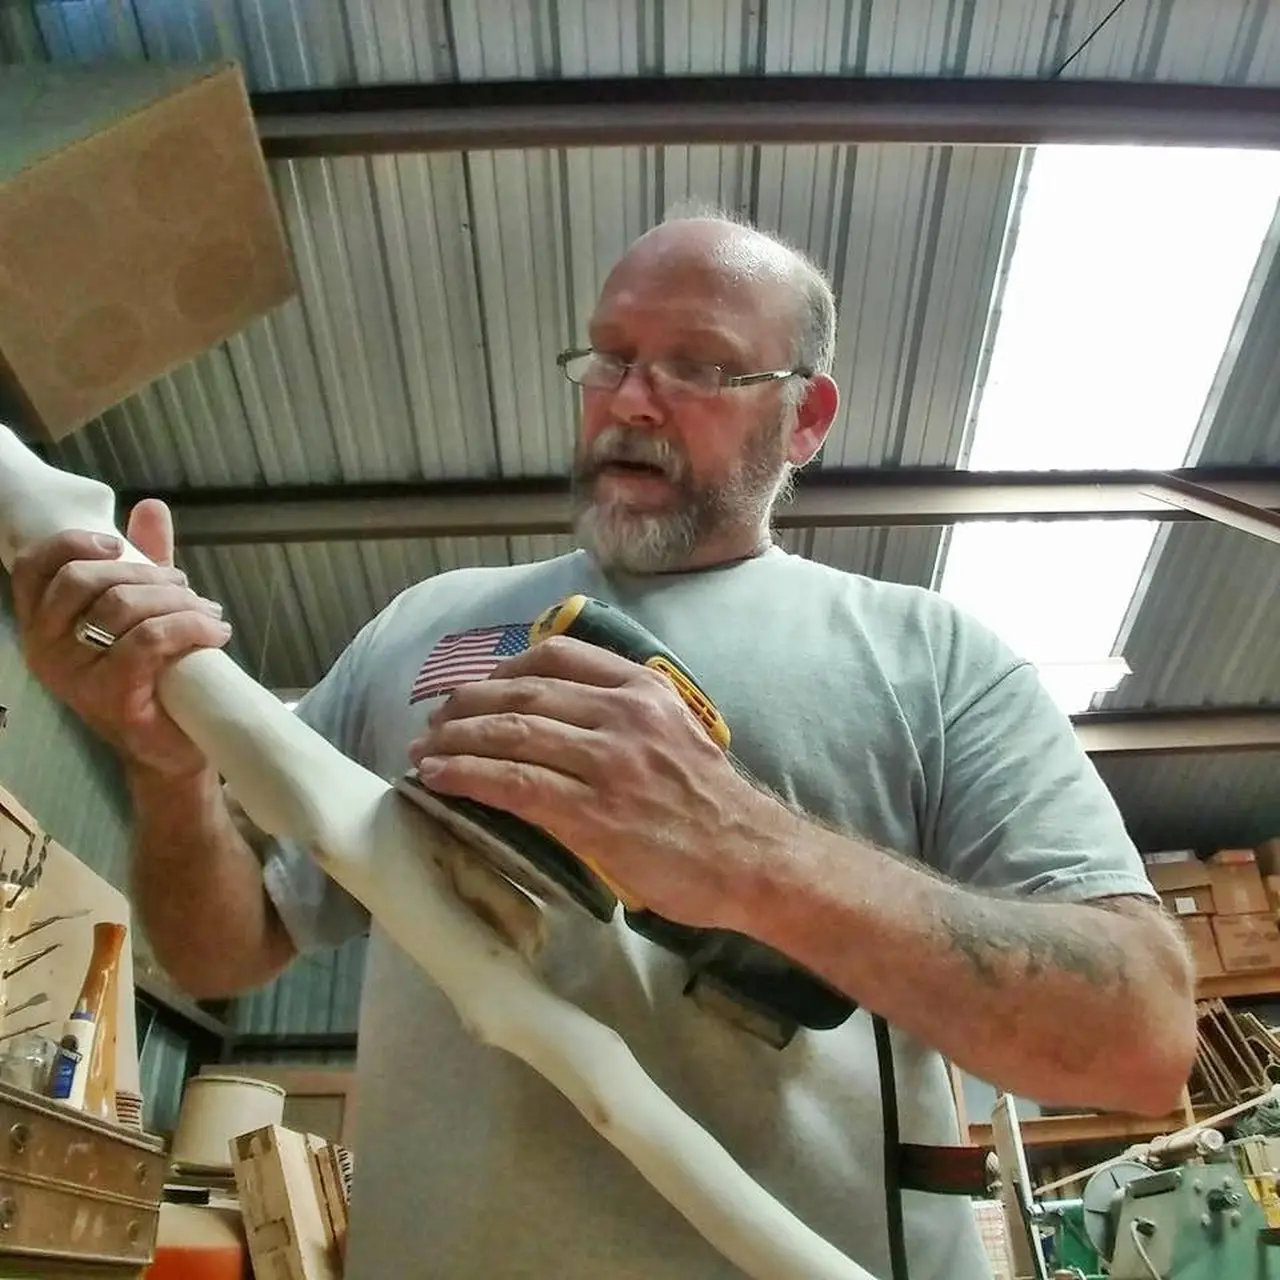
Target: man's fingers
x=536 y=794
x=155 y=642
x=564 y=658
x=78 y=588
x=120 y=609
x=565 y=700
x=150 y=529
x=35 y=567
x=523 y=739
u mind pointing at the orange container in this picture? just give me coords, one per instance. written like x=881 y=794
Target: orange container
x=200 y=1242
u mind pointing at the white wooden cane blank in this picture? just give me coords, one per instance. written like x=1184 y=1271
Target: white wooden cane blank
x=402 y=866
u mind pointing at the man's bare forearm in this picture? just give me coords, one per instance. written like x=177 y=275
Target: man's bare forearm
x=198 y=887
x=1067 y=1003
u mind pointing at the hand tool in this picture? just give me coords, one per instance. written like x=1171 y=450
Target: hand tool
x=735 y=976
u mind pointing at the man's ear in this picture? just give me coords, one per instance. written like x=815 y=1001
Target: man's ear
x=814 y=416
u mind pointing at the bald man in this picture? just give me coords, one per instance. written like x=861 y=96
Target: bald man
x=919 y=827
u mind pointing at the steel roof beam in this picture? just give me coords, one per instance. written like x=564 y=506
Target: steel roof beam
x=644 y=110
x=1160 y=732
x=824 y=498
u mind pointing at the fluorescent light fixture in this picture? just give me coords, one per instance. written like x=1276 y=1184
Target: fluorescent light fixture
x=1127 y=273
x=291 y=705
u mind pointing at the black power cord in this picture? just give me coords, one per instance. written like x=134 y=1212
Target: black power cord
x=1088 y=40
x=892 y=1151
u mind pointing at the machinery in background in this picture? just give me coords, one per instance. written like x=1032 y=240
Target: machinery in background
x=1176 y=1208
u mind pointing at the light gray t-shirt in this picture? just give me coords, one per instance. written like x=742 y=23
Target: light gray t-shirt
x=878 y=708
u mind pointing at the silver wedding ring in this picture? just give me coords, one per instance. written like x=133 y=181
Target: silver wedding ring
x=96 y=637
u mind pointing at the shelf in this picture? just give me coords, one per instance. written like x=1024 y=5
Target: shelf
x=1059 y=1131
x=1260 y=982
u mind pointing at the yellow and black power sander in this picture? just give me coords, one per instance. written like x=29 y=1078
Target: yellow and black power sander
x=744 y=980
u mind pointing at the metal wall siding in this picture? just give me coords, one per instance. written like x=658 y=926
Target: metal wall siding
x=318 y=994
x=58 y=770
x=1241 y=423
x=162 y=1071
x=1204 y=801
x=1205 y=630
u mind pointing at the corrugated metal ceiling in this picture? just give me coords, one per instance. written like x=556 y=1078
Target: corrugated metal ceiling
x=1199 y=801
x=435 y=292
x=1208 y=629
x=295 y=45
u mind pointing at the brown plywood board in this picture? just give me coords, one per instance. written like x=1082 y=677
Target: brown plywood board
x=130 y=244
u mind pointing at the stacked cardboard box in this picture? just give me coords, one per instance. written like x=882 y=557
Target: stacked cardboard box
x=1227 y=905
x=1185 y=886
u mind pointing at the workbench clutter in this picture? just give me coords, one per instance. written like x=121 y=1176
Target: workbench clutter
x=80 y=1183
x=1196 y=1204
x=247 y=1196
x=1237 y=1057
x=1227 y=905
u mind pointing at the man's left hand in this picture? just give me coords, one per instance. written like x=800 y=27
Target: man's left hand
x=603 y=754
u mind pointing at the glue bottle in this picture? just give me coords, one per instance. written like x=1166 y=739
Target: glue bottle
x=71 y=1067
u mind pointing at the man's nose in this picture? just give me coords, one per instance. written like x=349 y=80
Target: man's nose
x=633 y=400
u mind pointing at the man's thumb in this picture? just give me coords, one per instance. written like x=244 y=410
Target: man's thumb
x=150 y=529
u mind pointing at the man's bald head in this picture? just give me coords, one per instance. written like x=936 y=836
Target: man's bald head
x=720 y=252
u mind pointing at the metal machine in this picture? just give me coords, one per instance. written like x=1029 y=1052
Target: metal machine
x=1177 y=1208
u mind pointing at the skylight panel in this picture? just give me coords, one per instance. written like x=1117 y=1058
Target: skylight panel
x=1127 y=273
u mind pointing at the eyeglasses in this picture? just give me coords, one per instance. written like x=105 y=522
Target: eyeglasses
x=585 y=367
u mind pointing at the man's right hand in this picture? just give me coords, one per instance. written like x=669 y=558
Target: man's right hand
x=155 y=617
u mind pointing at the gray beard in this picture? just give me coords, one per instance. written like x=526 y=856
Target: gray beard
x=625 y=540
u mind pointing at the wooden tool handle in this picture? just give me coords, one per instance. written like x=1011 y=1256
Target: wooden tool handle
x=100 y=996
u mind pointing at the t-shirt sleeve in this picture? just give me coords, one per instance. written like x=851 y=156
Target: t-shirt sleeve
x=317 y=912
x=1022 y=808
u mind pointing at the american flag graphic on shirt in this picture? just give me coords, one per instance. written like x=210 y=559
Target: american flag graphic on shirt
x=463 y=656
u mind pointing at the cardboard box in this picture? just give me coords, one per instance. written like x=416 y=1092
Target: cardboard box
x=137 y=229
x=1204 y=947
x=1194 y=901
x=1181 y=877
x=1272 y=884
x=1237 y=884
x=1247 y=941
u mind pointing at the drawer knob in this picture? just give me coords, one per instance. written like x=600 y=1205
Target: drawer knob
x=8 y=1212
x=19 y=1136
x=133 y=1230
x=141 y=1172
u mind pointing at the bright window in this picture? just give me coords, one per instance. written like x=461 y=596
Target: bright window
x=1128 y=270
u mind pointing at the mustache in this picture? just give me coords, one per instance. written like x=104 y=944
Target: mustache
x=625 y=444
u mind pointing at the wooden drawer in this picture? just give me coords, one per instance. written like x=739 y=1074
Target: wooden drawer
x=73 y=1187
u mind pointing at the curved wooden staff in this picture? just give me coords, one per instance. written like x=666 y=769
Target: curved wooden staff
x=407 y=870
